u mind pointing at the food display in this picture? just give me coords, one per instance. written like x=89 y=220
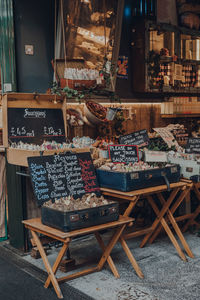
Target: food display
x=131 y=167
x=95 y=112
x=158 y=144
x=136 y=176
x=66 y=188
x=69 y=204
x=69 y=214
x=74 y=117
x=77 y=142
x=189 y=163
x=46 y=145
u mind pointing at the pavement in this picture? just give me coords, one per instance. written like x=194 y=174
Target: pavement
x=167 y=277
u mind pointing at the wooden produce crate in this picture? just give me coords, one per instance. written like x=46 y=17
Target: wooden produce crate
x=31 y=102
x=19 y=156
x=188 y=167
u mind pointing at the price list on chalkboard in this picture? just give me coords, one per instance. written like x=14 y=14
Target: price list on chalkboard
x=193 y=145
x=34 y=125
x=57 y=176
x=123 y=153
x=139 y=138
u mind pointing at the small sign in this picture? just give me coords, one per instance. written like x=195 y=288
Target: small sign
x=29 y=50
x=139 y=138
x=193 y=145
x=123 y=153
x=57 y=176
x=155 y=156
x=167 y=136
x=34 y=125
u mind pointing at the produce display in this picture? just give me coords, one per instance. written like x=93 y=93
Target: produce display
x=131 y=167
x=77 y=142
x=46 y=145
x=98 y=110
x=74 y=117
x=189 y=163
x=69 y=204
x=157 y=144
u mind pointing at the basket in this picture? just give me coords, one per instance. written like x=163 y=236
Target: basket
x=59 y=66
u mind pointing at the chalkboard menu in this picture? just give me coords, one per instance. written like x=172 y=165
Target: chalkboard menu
x=139 y=138
x=193 y=145
x=34 y=125
x=57 y=176
x=123 y=153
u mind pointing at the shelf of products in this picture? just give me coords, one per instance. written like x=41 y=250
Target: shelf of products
x=168 y=58
x=169 y=116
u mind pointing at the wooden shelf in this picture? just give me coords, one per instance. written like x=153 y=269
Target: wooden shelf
x=170 y=116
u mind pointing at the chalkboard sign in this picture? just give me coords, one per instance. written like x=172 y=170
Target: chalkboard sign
x=193 y=145
x=139 y=138
x=57 y=176
x=123 y=153
x=34 y=125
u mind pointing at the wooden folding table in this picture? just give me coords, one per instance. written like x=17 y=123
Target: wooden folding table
x=195 y=214
x=164 y=216
x=37 y=227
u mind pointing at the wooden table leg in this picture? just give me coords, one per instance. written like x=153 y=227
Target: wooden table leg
x=196 y=212
x=176 y=228
x=57 y=262
x=109 y=260
x=110 y=246
x=47 y=265
x=173 y=209
x=131 y=206
x=161 y=214
x=166 y=228
x=131 y=257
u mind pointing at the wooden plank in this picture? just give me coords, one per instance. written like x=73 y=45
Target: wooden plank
x=145 y=191
x=131 y=206
x=64 y=109
x=30 y=96
x=78 y=274
x=19 y=156
x=137 y=233
x=109 y=260
x=60 y=235
x=47 y=265
x=5 y=121
x=165 y=226
x=183 y=218
x=161 y=214
x=176 y=228
x=174 y=207
x=131 y=257
x=111 y=245
x=57 y=263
